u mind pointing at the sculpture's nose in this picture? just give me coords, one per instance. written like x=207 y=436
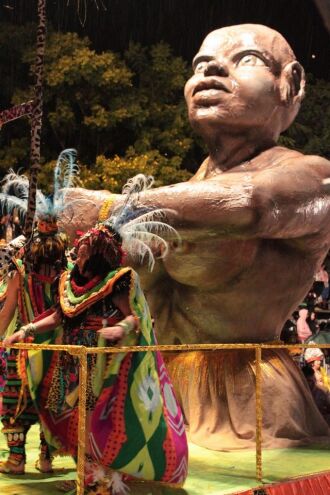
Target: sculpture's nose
x=216 y=68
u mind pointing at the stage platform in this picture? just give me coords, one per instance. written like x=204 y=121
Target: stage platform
x=210 y=473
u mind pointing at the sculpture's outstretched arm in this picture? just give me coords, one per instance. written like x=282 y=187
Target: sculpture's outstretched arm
x=286 y=200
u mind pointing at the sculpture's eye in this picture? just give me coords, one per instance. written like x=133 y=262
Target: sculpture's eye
x=251 y=60
x=201 y=66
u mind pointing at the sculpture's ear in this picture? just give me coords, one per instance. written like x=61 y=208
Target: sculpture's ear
x=292 y=85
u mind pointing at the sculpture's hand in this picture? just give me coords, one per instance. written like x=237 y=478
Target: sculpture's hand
x=82 y=210
x=326 y=186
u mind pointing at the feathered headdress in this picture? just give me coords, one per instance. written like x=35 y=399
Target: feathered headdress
x=9 y=251
x=47 y=244
x=15 y=192
x=140 y=231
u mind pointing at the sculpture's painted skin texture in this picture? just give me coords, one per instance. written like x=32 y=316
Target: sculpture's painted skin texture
x=255 y=226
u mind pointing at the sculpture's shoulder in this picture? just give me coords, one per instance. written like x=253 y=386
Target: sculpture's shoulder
x=316 y=163
x=277 y=157
x=287 y=156
x=292 y=160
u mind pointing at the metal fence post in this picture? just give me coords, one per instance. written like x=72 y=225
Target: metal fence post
x=258 y=415
x=82 y=355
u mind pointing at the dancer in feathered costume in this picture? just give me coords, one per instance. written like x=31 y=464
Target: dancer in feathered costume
x=32 y=290
x=135 y=426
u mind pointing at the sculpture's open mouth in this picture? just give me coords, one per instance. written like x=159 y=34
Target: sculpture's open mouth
x=210 y=84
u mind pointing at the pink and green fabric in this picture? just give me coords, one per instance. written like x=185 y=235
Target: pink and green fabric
x=136 y=425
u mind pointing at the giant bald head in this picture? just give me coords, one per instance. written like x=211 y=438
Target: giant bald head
x=246 y=79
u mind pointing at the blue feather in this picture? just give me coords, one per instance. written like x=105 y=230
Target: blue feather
x=15 y=189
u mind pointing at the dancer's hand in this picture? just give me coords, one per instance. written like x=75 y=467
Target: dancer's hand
x=113 y=334
x=14 y=339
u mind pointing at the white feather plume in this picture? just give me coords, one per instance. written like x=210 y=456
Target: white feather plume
x=137 y=184
x=15 y=185
x=144 y=233
x=15 y=189
x=8 y=204
x=65 y=176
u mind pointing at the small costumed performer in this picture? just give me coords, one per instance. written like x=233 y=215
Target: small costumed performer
x=32 y=286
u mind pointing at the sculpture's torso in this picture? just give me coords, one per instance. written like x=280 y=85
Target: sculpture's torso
x=239 y=290
x=224 y=288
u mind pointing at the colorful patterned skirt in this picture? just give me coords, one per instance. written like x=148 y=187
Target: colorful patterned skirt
x=135 y=425
x=17 y=405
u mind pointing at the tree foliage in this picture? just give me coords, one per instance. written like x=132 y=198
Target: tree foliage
x=125 y=113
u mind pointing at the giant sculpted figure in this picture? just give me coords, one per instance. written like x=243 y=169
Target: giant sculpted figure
x=255 y=225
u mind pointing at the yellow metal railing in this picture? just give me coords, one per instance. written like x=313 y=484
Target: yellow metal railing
x=81 y=352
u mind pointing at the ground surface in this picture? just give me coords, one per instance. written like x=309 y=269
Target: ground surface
x=211 y=473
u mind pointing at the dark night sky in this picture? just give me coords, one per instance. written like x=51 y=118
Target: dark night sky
x=184 y=23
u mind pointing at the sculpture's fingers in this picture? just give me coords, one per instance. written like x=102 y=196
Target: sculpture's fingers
x=325 y=188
